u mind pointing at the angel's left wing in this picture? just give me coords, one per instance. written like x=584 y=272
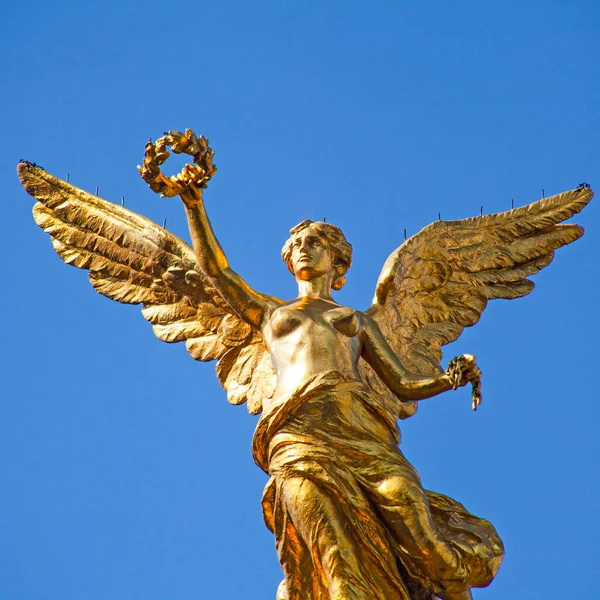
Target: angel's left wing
x=440 y=280
x=132 y=260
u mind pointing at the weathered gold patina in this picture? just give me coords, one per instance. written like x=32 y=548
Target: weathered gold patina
x=350 y=516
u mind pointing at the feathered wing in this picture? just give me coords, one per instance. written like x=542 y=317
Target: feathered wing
x=440 y=280
x=132 y=260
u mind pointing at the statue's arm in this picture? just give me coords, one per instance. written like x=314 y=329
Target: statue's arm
x=246 y=302
x=377 y=352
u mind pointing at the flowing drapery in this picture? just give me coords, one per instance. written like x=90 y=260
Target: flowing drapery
x=350 y=516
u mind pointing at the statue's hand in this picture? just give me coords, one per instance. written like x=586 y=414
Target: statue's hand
x=192 y=178
x=191 y=195
x=462 y=370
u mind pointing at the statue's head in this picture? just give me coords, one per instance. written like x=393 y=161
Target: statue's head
x=314 y=248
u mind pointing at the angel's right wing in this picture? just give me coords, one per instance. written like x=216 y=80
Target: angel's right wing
x=132 y=260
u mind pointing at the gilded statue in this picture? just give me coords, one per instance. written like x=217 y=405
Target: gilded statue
x=350 y=516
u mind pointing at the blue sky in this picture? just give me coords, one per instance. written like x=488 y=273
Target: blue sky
x=126 y=474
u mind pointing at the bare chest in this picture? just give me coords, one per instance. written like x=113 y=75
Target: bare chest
x=303 y=320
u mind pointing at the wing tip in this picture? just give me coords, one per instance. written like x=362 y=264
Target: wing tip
x=578 y=231
x=24 y=168
x=31 y=176
x=28 y=166
x=585 y=190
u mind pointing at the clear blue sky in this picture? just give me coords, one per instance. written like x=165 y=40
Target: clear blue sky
x=125 y=473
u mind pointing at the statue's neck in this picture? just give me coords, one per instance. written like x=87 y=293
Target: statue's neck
x=319 y=287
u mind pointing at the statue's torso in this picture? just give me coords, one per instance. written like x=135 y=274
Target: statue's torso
x=311 y=336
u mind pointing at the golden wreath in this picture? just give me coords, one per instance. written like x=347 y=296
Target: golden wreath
x=196 y=174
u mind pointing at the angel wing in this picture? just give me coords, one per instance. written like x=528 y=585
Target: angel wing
x=440 y=280
x=132 y=260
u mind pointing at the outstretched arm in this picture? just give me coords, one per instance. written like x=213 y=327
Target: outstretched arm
x=377 y=352
x=247 y=303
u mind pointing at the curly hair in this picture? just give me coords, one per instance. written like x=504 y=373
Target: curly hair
x=340 y=248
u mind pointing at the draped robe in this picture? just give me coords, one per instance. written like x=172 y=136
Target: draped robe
x=349 y=514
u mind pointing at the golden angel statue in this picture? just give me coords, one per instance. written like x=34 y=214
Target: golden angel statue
x=349 y=513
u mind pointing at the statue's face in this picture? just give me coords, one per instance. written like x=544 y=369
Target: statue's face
x=311 y=256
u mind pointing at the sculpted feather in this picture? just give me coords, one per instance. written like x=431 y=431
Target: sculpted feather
x=132 y=260
x=440 y=280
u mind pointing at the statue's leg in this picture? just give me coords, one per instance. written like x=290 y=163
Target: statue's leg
x=402 y=503
x=320 y=525
x=338 y=559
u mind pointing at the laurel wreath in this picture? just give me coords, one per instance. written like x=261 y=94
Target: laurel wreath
x=196 y=174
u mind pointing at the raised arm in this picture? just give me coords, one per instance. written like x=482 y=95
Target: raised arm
x=247 y=303
x=242 y=299
x=377 y=352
